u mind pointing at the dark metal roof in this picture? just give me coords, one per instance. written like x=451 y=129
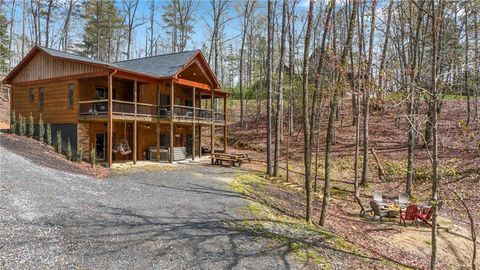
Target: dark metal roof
x=76 y=57
x=165 y=65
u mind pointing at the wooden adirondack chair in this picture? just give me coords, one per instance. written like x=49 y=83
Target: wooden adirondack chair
x=425 y=215
x=376 y=210
x=409 y=214
x=363 y=210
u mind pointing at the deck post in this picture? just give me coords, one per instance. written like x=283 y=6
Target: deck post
x=157 y=130
x=172 y=100
x=212 y=125
x=225 y=124
x=110 y=120
x=193 y=129
x=135 y=123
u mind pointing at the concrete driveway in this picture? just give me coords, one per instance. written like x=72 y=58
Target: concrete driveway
x=157 y=220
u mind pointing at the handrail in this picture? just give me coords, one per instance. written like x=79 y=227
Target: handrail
x=93 y=101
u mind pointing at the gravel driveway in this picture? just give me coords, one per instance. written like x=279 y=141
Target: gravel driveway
x=156 y=220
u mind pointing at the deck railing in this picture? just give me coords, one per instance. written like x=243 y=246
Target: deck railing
x=100 y=107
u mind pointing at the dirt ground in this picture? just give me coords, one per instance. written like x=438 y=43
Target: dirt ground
x=459 y=154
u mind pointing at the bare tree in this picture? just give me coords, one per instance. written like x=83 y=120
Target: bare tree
x=305 y=121
x=279 y=114
x=366 y=94
x=51 y=5
x=248 y=8
x=333 y=113
x=269 y=85
x=130 y=9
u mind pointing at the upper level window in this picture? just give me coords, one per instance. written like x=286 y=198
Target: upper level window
x=70 y=98
x=101 y=93
x=41 y=96
x=31 y=95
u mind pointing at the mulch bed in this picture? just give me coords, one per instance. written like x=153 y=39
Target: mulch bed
x=45 y=155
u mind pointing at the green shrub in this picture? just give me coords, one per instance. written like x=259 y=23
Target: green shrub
x=69 y=149
x=49 y=134
x=79 y=154
x=31 y=127
x=21 y=124
x=59 y=141
x=41 y=129
x=93 y=156
x=13 y=123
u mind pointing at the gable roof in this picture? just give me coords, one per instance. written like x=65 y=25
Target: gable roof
x=158 y=67
x=165 y=65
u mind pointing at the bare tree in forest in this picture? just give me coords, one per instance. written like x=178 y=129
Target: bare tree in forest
x=70 y=11
x=434 y=95
x=366 y=94
x=279 y=114
x=10 y=34
x=466 y=65
x=219 y=18
x=178 y=18
x=130 y=9
x=248 y=8
x=291 y=73
x=333 y=112
x=477 y=64
x=269 y=85
x=305 y=121
x=151 y=40
x=51 y=5
x=318 y=85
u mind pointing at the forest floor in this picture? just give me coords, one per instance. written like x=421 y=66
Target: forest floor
x=459 y=155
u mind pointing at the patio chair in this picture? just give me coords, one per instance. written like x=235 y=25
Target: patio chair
x=425 y=214
x=403 y=200
x=376 y=210
x=409 y=214
x=377 y=197
x=363 y=210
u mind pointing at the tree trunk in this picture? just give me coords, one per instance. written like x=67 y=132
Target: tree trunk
x=305 y=123
x=270 y=86
x=333 y=112
x=366 y=94
x=279 y=114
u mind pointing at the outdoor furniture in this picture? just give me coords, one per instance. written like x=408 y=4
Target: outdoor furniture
x=425 y=214
x=377 y=197
x=363 y=210
x=403 y=199
x=393 y=210
x=409 y=214
x=232 y=159
x=376 y=211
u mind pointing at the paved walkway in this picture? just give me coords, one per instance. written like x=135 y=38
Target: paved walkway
x=155 y=220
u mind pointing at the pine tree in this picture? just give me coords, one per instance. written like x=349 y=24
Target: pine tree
x=21 y=124
x=69 y=149
x=31 y=127
x=59 y=141
x=41 y=129
x=80 y=153
x=49 y=135
x=93 y=157
x=102 y=25
x=13 y=123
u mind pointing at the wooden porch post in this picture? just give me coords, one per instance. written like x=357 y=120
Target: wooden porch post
x=225 y=124
x=172 y=100
x=110 y=120
x=193 y=129
x=157 y=129
x=135 y=123
x=212 y=126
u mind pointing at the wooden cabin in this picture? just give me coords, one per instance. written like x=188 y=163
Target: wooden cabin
x=151 y=108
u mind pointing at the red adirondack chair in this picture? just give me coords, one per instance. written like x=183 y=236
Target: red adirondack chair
x=409 y=214
x=425 y=215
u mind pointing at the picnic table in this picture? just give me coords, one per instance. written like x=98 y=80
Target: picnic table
x=231 y=159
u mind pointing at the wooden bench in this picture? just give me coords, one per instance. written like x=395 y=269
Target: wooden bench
x=232 y=159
